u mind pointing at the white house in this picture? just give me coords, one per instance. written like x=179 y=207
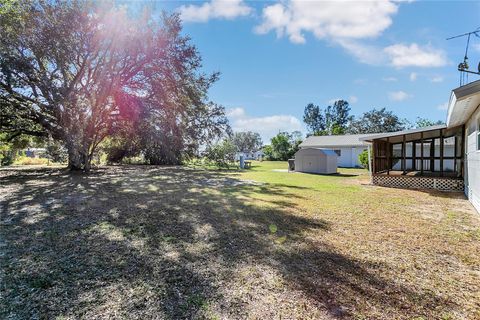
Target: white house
x=347 y=147
x=464 y=110
x=253 y=155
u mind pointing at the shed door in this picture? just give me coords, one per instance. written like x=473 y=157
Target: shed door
x=310 y=163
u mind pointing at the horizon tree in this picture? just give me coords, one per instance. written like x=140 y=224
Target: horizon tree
x=247 y=141
x=376 y=121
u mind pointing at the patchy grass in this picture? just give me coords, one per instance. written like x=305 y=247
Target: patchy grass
x=143 y=242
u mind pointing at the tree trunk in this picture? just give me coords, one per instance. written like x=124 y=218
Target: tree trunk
x=78 y=159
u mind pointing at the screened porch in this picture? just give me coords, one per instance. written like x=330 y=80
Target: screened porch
x=425 y=158
x=428 y=152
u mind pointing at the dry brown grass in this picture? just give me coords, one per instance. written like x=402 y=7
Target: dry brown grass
x=170 y=242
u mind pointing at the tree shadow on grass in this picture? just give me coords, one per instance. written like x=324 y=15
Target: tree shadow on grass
x=166 y=242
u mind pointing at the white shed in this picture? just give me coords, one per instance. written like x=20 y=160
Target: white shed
x=316 y=160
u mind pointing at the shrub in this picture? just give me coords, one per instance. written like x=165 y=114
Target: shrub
x=56 y=152
x=222 y=154
x=363 y=158
x=7 y=158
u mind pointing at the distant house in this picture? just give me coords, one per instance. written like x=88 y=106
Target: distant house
x=347 y=147
x=253 y=155
x=35 y=152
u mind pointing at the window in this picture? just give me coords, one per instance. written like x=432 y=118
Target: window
x=338 y=152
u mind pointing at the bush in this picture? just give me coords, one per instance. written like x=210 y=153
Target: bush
x=363 y=158
x=7 y=158
x=222 y=154
x=56 y=152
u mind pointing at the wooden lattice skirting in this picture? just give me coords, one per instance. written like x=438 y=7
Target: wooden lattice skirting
x=408 y=182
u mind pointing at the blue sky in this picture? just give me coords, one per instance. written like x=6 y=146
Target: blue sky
x=275 y=57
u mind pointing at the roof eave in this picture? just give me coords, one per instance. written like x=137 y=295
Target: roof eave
x=463 y=102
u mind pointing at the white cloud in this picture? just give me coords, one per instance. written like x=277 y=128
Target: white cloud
x=347 y=24
x=215 y=9
x=390 y=79
x=437 y=79
x=368 y=54
x=267 y=126
x=353 y=99
x=398 y=95
x=476 y=47
x=327 y=19
x=413 y=76
x=413 y=55
x=235 y=113
x=443 y=106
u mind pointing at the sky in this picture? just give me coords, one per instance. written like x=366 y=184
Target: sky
x=275 y=57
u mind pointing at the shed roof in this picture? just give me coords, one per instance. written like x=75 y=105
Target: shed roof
x=349 y=140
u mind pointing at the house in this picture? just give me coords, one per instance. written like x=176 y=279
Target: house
x=316 y=160
x=347 y=147
x=35 y=152
x=442 y=157
x=464 y=111
x=252 y=155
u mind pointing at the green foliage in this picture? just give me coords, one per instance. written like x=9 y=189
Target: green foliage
x=422 y=122
x=376 y=121
x=363 y=158
x=314 y=118
x=268 y=152
x=222 y=154
x=10 y=148
x=331 y=121
x=56 y=152
x=283 y=146
x=247 y=141
x=81 y=71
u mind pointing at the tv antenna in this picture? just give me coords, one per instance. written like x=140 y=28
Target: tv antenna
x=463 y=67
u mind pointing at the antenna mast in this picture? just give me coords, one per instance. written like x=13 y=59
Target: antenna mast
x=463 y=67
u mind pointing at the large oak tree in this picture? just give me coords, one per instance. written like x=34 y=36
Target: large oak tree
x=77 y=71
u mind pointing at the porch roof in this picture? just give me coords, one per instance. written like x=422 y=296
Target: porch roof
x=413 y=133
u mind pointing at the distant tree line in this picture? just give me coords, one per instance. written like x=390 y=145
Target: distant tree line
x=336 y=120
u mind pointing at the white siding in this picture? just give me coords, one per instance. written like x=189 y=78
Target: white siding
x=472 y=156
x=348 y=156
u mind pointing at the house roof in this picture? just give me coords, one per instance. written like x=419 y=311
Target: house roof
x=327 y=152
x=349 y=140
x=463 y=102
x=401 y=133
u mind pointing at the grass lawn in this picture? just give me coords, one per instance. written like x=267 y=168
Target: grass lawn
x=143 y=242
